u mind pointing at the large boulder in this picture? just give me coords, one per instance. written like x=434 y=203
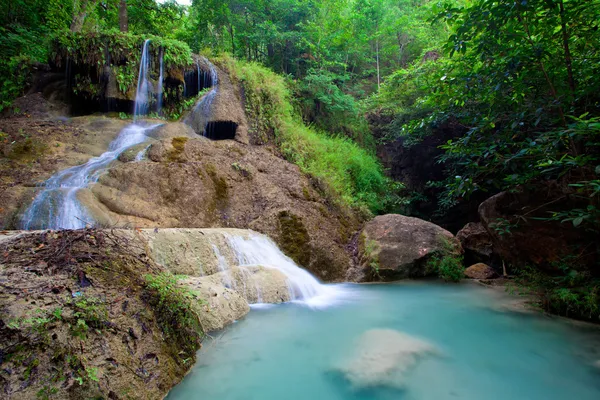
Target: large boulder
x=394 y=246
x=521 y=233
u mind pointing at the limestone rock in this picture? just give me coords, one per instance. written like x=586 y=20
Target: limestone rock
x=218 y=306
x=256 y=284
x=480 y=271
x=399 y=247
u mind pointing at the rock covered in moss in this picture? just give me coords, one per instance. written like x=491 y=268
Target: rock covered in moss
x=480 y=271
x=394 y=246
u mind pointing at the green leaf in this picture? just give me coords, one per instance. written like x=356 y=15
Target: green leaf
x=577 y=221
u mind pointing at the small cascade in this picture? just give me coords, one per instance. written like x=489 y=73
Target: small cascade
x=200 y=116
x=142 y=95
x=259 y=250
x=142 y=153
x=57 y=206
x=224 y=268
x=159 y=99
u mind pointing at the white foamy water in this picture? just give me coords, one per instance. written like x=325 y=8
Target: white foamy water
x=57 y=205
x=304 y=288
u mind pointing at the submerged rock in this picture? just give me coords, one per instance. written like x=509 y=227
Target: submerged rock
x=382 y=357
x=396 y=247
x=480 y=271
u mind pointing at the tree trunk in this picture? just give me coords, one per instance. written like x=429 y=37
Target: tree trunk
x=81 y=10
x=123 y=19
x=568 y=59
x=378 y=74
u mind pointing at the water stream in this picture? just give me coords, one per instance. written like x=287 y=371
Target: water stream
x=199 y=118
x=410 y=341
x=142 y=95
x=57 y=205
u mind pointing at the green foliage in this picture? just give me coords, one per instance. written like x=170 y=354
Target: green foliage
x=89 y=313
x=448 y=263
x=172 y=305
x=568 y=291
x=520 y=92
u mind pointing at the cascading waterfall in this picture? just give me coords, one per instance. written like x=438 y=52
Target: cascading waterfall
x=142 y=95
x=159 y=99
x=259 y=250
x=200 y=116
x=57 y=206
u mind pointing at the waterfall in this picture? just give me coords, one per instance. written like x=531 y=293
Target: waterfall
x=199 y=117
x=257 y=249
x=143 y=86
x=57 y=205
x=160 y=86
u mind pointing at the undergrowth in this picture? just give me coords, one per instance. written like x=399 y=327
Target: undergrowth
x=567 y=291
x=172 y=304
x=448 y=263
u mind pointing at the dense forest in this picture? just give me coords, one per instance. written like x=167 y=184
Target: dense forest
x=491 y=96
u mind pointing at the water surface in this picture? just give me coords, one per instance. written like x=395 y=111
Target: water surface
x=292 y=351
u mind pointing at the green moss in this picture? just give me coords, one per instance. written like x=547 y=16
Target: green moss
x=242 y=170
x=371 y=253
x=27 y=149
x=172 y=305
x=221 y=199
x=294 y=239
x=306 y=194
x=178 y=144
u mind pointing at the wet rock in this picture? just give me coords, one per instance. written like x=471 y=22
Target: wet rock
x=217 y=306
x=398 y=247
x=480 y=271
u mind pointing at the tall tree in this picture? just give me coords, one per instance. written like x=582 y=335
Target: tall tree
x=123 y=20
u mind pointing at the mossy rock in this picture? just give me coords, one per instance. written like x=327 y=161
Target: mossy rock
x=294 y=238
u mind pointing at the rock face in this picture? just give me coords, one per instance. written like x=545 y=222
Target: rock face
x=191 y=181
x=78 y=321
x=397 y=247
x=227 y=117
x=520 y=237
x=480 y=271
x=476 y=242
